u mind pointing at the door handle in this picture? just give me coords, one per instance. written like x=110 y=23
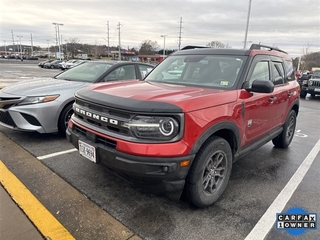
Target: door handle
x=272 y=99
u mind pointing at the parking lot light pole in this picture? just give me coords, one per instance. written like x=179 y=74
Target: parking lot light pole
x=59 y=38
x=247 y=27
x=20 y=47
x=164 y=45
x=5 y=49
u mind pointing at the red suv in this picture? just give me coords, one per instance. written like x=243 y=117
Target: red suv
x=184 y=125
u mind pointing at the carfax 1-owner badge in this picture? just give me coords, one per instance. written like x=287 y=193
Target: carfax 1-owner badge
x=297 y=221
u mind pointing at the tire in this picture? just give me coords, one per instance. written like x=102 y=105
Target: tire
x=303 y=94
x=286 y=136
x=52 y=67
x=65 y=116
x=210 y=172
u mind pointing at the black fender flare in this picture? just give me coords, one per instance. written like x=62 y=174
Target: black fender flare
x=226 y=125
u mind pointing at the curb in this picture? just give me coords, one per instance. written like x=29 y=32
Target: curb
x=45 y=222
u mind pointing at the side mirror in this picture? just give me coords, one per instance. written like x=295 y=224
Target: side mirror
x=259 y=86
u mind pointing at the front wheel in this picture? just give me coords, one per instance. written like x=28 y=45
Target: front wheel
x=286 y=136
x=209 y=173
x=64 y=118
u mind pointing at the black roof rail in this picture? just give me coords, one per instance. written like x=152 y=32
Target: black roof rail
x=192 y=47
x=259 y=46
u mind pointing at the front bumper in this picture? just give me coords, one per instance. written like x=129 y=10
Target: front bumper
x=311 y=89
x=42 y=117
x=157 y=175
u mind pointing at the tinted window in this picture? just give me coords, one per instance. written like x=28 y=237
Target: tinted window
x=260 y=71
x=290 y=76
x=122 y=73
x=144 y=70
x=277 y=73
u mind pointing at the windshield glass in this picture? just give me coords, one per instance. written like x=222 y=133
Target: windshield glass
x=215 y=71
x=316 y=74
x=86 y=72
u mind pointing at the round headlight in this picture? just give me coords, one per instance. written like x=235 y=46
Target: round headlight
x=166 y=127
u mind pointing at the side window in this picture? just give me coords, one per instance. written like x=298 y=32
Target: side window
x=121 y=73
x=290 y=76
x=260 y=71
x=129 y=72
x=144 y=70
x=278 y=73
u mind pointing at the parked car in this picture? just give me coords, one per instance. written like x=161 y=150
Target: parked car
x=32 y=58
x=310 y=83
x=45 y=104
x=174 y=133
x=63 y=64
x=53 y=64
x=74 y=63
x=41 y=64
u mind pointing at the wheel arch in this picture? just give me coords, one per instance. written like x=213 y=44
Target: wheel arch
x=62 y=112
x=226 y=130
x=295 y=107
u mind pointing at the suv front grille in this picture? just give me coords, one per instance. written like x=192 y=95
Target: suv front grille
x=108 y=119
x=315 y=83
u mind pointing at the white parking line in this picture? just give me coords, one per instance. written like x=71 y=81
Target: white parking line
x=57 y=154
x=264 y=225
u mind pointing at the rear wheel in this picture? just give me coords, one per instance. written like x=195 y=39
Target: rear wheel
x=209 y=173
x=285 y=138
x=64 y=118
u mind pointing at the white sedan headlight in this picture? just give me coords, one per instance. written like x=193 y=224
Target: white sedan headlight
x=38 y=99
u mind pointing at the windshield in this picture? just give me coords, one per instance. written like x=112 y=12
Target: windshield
x=215 y=71
x=316 y=74
x=86 y=72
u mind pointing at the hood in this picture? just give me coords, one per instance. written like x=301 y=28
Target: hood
x=41 y=86
x=188 y=98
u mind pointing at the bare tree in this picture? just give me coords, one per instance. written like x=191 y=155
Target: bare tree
x=73 y=45
x=217 y=44
x=148 y=47
x=305 y=57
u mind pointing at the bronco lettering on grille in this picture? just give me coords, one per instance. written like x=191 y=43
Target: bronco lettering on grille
x=96 y=116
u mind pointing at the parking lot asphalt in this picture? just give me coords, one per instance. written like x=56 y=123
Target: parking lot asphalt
x=62 y=206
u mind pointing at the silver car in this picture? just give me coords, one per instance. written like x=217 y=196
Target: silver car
x=45 y=105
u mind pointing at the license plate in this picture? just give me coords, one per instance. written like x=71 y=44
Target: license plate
x=87 y=151
x=317 y=89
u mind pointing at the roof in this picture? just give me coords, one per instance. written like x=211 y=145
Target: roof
x=255 y=49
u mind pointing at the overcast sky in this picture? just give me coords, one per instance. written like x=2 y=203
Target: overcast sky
x=291 y=25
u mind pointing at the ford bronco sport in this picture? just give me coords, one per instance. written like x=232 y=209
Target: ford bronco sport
x=182 y=130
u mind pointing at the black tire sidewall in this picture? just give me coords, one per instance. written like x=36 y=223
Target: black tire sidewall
x=288 y=141
x=62 y=117
x=195 y=191
x=282 y=141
